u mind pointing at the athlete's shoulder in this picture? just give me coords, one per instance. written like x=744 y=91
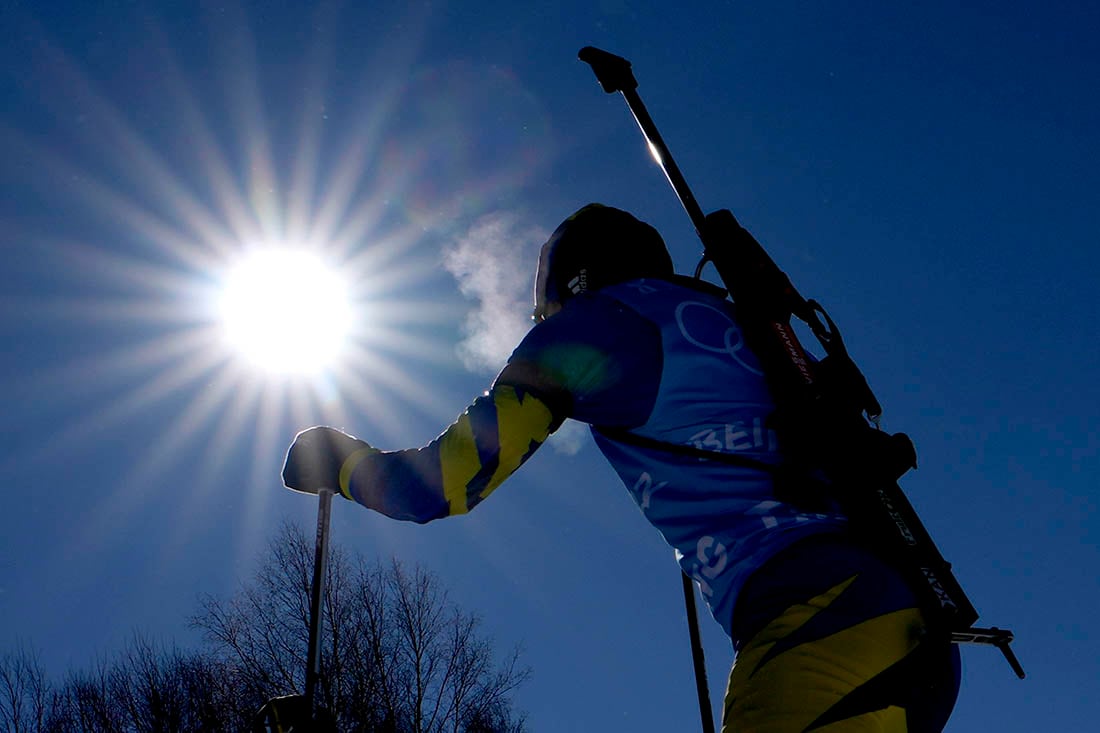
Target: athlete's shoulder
x=597 y=361
x=594 y=319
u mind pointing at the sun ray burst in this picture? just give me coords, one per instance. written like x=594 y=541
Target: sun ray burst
x=164 y=195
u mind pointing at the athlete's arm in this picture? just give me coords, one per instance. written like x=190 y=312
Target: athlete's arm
x=583 y=363
x=457 y=470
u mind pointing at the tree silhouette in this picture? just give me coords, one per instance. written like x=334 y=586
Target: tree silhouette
x=26 y=696
x=398 y=657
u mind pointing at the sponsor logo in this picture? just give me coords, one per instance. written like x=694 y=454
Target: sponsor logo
x=579 y=284
x=899 y=520
x=937 y=587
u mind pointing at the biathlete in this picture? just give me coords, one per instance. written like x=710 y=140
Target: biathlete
x=828 y=636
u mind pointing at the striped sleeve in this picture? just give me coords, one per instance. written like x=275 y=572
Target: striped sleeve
x=457 y=470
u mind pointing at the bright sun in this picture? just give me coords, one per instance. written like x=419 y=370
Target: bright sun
x=286 y=311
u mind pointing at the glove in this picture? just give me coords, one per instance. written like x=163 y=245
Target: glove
x=316 y=457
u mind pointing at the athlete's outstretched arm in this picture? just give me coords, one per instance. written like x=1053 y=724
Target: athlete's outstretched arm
x=450 y=475
x=592 y=362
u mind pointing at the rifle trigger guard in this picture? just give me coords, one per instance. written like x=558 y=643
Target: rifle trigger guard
x=702 y=263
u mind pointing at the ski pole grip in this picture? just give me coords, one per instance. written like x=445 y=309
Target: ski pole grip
x=612 y=72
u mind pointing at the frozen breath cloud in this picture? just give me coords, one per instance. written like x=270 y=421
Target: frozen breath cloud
x=494 y=266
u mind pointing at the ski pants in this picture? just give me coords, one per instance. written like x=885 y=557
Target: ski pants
x=829 y=638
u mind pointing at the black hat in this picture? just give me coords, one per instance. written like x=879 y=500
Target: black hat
x=596 y=247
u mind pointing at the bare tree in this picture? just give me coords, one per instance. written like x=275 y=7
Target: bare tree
x=26 y=696
x=147 y=689
x=87 y=704
x=398 y=656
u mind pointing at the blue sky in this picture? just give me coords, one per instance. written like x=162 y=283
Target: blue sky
x=927 y=171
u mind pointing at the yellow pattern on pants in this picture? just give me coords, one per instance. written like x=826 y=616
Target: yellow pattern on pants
x=786 y=691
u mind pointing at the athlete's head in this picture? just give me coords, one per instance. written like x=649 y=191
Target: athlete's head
x=596 y=247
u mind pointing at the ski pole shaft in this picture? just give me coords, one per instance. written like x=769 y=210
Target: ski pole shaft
x=701 y=686
x=317 y=591
x=614 y=74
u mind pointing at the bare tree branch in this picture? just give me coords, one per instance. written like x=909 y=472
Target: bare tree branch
x=399 y=657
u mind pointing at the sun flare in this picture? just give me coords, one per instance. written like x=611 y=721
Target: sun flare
x=257 y=272
x=286 y=311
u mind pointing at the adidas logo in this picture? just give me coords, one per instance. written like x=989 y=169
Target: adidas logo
x=578 y=284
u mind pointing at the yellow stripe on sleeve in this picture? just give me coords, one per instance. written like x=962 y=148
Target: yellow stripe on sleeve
x=459 y=463
x=522 y=422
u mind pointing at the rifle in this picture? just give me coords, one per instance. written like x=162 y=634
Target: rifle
x=826 y=412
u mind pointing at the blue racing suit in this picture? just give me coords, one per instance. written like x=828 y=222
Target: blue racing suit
x=651 y=365
x=678 y=352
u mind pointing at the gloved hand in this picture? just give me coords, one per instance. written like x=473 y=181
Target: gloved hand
x=315 y=458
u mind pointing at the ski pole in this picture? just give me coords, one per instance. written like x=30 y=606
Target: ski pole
x=290 y=713
x=320 y=568
x=701 y=686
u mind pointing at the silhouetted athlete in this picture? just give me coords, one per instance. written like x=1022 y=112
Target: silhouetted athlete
x=827 y=635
